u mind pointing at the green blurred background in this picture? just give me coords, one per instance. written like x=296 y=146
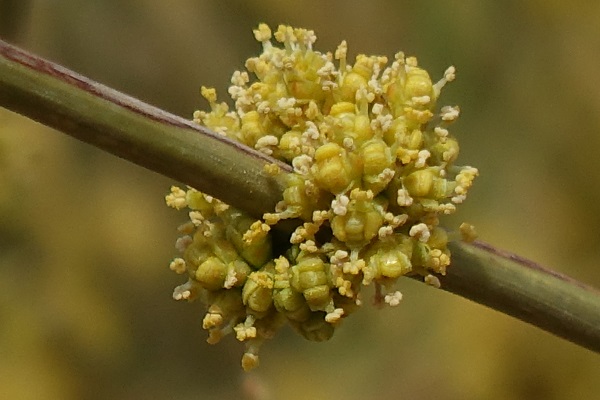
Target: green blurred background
x=85 y=238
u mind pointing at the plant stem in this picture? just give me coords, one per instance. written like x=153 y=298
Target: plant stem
x=179 y=149
x=135 y=131
x=528 y=291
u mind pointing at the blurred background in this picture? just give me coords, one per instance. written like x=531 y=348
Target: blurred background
x=85 y=238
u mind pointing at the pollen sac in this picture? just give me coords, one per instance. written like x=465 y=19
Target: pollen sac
x=389 y=259
x=256 y=252
x=309 y=277
x=349 y=125
x=428 y=183
x=378 y=165
x=359 y=225
x=335 y=169
x=373 y=162
x=258 y=291
x=212 y=273
x=301 y=199
x=291 y=303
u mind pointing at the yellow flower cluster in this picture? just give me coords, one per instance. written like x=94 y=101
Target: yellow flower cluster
x=373 y=171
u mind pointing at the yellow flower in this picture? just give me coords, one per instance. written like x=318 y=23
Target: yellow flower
x=373 y=163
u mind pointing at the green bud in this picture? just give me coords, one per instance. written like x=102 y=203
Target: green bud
x=257 y=293
x=212 y=273
x=309 y=277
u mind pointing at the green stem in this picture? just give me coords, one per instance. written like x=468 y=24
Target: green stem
x=528 y=291
x=135 y=131
x=176 y=148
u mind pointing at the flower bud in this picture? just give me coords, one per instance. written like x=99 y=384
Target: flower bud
x=258 y=291
x=309 y=277
x=359 y=225
x=334 y=169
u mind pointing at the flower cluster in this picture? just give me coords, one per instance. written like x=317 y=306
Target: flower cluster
x=373 y=169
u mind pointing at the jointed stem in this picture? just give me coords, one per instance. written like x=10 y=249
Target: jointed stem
x=189 y=153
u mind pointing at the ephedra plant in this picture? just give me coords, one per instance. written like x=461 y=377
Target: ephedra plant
x=320 y=177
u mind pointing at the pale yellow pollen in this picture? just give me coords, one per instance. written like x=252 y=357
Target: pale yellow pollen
x=441 y=132
x=377 y=108
x=296 y=238
x=311 y=229
x=281 y=264
x=422 y=158
x=450 y=113
x=334 y=316
x=309 y=246
x=263 y=33
x=320 y=216
x=411 y=62
x=230 y=279
x=265 y=143
x=450 y=73
x=421 y=116
x=196 y=217
x=311 y=132
x=302 y=164
x=285 y=103
x=220 y=207
x=458 y=199
x=447 y=208
x=449 y=76
x=341 y=51
x=386 y=175
x=344 y=287
x=385 y=231
x=421 y=100
x=272 y=169
x=245 y=330
x=339 y=257
x=340 y=205
x=210 y=94
x=177 y=198
x=312 y=111
x=212 y=320
x=438 y=261
x=244 y=333
x=263 y=107
x=285 y=34
x=393 y=299
x=353 y=267
x=271 y=218
x=381 y=122
x=240 y=78
x=420 y=231
x=327 y=70
x=183 y=292
x=432 y=280
x=178 y=265
x=403 y=198
x=395 y=220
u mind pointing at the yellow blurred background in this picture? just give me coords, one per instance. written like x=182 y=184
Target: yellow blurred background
x=85 y=238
